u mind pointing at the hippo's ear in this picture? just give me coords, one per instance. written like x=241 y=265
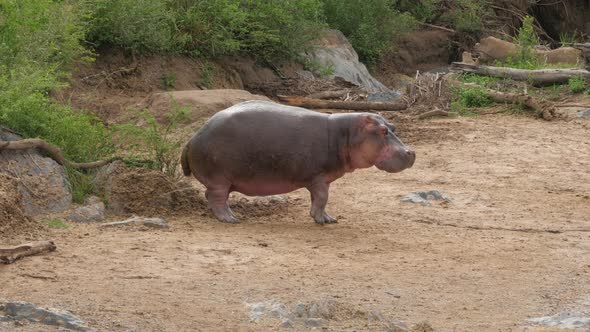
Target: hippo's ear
x=369 y=124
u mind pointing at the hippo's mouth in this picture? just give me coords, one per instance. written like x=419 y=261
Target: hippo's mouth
x=398 y=162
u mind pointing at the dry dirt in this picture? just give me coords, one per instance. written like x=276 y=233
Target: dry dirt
x=513 y=244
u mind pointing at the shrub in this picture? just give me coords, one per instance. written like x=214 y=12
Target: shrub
x=154 y=140
x=257 y=27
x=136 y=25
x=370 y=25
x=577 y=84
x=39 y=39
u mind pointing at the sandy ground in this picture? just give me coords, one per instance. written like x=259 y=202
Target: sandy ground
x=513 y=244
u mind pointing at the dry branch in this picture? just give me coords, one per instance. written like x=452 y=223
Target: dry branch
x=9 y=255
x=535 y=77
x=432 y=113
x=54 y=152
x=344 y=105
x=438 y=27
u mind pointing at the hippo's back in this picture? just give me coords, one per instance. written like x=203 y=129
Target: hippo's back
x=259 y=138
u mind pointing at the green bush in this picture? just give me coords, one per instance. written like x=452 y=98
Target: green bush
x=370 y=25
x=39 y=40
x=465 y=15
x=136 y=25
x=577 y=84
x=154 y=141
x=207 y=28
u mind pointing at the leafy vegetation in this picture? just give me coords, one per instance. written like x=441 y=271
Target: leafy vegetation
x=577 y=84
x=154 y=140
x=56 y=223
x=206 y=28
x=463 y=15
x=39 y=41
x=370 y=25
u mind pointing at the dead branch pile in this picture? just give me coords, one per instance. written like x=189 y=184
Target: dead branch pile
x=428 y=95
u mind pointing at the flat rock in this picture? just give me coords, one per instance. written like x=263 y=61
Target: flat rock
x=149 y=222
x=424 y=198
x=17 y=310
x=89 y=213
x=383 y=96
x=583 y=114
x=271 y=308
x=201 y=103
x=564 y=320
x=43 y=183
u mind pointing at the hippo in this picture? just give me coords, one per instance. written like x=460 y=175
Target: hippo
x=261 y=148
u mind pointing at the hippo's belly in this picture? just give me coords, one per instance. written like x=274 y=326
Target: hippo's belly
x=264 y=187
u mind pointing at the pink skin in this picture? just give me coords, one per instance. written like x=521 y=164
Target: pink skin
x=304 y=149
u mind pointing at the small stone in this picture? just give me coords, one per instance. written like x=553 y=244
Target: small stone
x=314 y=322
x=424 y=197
x=149 y=222
x=300 y=310
x=583 y=114
x=383 y=96
x=91 y=200
x=287 y=324
x=90 y=213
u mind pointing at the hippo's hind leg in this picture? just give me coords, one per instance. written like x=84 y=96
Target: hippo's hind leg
x=319 y=191
x=217 y=196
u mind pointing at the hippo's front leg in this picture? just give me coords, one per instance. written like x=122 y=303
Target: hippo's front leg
x=319 y=190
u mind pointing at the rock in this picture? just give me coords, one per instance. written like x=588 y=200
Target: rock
x=43 y=183
x=17 y=311
x=490 y=49
x=583 y=114
x=314 y=322
x=305 y=75
x=424 y=197
x=88 y=213
x=271 y=308
x=202 y=103
x=384 y=96
x=287 y=324
x=335 y=51
x=564 y=320
x=149 y=222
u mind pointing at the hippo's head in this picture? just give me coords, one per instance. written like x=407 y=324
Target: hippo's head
x=374 y=143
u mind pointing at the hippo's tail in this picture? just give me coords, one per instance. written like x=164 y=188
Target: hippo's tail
x=184 y=161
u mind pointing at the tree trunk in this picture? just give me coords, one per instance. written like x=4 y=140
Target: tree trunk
x=535 y=77
x=344 y=105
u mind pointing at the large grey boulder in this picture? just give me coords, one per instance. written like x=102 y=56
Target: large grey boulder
x=333 y=50
x=42 y=182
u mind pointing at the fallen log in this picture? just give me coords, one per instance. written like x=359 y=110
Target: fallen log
x=329 y=94
x=343 y=105
x=52 y=151
x=9 y=255
x=544 y=109
x=535 y=77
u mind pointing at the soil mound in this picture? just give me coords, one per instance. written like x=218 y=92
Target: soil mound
x=146 y=192
x=14 y=224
